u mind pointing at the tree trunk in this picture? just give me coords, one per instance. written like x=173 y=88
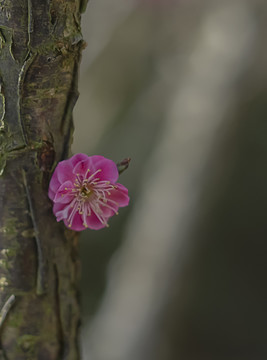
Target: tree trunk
x=40 y=43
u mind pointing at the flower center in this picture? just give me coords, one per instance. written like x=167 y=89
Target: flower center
x=98 y=191
x=85 y=192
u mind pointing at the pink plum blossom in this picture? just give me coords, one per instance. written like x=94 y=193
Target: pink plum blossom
x=85 y=192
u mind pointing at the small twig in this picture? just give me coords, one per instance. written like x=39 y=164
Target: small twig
x=123 y=165
x=5 y=309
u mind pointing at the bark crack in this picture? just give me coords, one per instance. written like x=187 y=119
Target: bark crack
x=58 y=313
x=30 y=23
x=3 y=107
x=29 y=59
x=40 y=283
x=3 y=314
x=7 y=37
x=5 y=309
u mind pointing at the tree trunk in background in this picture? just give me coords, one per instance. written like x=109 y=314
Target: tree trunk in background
x=40 y=43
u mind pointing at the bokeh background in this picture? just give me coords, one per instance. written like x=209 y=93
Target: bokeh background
x=181 y=88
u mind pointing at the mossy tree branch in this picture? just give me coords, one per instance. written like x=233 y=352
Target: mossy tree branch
x=40 y=45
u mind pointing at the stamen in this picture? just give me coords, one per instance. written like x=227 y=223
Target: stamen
x=87 y=172
x=91 y=195
x=97 y=213
x=96 y=172
x=78 y=178
x=72 y=214
x=113 y=202
x=101 y=219
x=87 y=212
x=105 y=204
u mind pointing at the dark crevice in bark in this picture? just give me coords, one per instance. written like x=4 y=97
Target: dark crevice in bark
x=58 y=313
x=65 y=148
x=41 y=271
x=5 y=309
x=3 y=314
x=67 y=121
x=3 y=355
x=27 y=62
x=72 y=98
x=30 y=23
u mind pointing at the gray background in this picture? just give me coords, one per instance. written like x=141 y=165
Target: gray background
x=181 y=88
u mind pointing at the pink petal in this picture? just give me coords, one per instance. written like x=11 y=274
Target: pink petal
x=61 y=211
x=75 y=159
x=81 y=168
x=109 y=171
x=93 y=222
x=120 y=195
x=107 y=212
x=77 y=223
x=64 y=194
x=64 y=172
x=53 y=186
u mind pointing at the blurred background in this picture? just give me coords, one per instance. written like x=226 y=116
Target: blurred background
x=181 y=88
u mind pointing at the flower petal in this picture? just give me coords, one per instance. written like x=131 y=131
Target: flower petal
x=63 y=171
x=109 y=209
x=119 y=195
x=61 y=211
x=75 y=159
x=64 y=194
x=77 y=223
x=81 y=168
x=53 y=186
x=93 y=222
x=109 y=171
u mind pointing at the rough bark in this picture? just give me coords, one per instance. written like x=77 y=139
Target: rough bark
x=40 y=43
